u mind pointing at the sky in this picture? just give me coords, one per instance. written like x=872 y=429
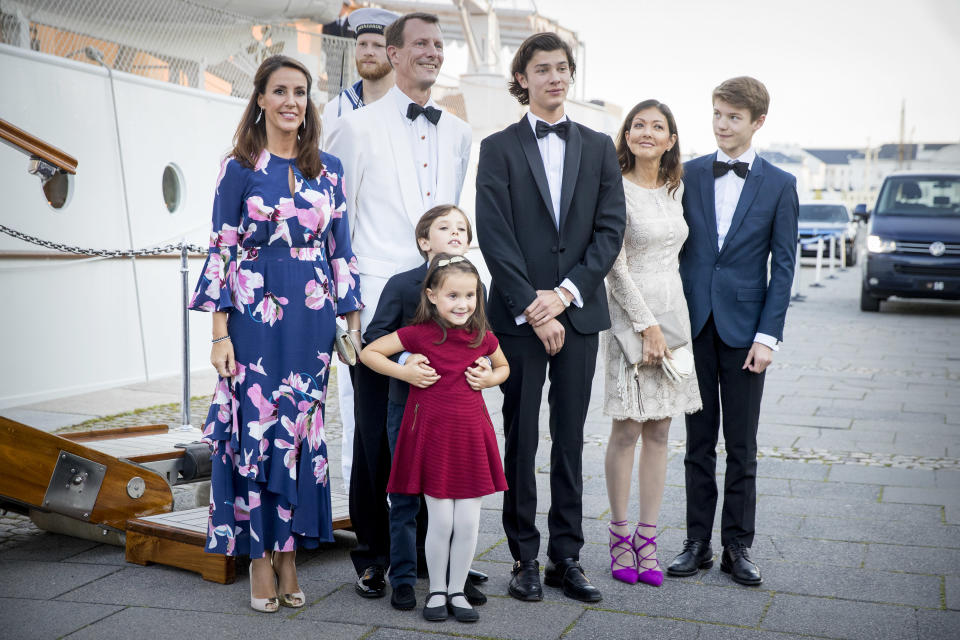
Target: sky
x=836 y=70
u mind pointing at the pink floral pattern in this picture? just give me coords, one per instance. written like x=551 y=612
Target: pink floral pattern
x=282 y=268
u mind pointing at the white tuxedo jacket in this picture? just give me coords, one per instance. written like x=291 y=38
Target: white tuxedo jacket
x=383 y=194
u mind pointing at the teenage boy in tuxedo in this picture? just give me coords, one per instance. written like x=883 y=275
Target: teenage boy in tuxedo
x=741 y=210
x=550 y=220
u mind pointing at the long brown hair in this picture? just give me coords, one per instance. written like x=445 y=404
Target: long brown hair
x=250 y=139
x=436 y=274
x=671 y=169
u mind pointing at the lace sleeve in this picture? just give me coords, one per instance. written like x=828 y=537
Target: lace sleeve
x=627 y=294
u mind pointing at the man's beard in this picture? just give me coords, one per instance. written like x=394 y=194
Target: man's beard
x=380 y=71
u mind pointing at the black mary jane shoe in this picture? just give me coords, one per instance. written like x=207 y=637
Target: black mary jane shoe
x=568 y=575
x=438 y=613
x=462 y=614
x=474 y=596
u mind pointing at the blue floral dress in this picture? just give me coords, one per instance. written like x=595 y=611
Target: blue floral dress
x=283 y=269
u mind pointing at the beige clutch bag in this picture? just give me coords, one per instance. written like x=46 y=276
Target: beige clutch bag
x=631 y=342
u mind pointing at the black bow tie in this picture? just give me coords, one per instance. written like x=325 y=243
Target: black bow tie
x=721 y=168
x=430 y=113
x=561 y=129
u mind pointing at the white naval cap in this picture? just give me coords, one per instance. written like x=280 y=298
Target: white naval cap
x=370 y=20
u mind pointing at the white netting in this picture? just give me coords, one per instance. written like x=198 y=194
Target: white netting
x=176 y=41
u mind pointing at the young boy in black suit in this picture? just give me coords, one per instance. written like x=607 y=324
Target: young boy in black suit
x=442 y=229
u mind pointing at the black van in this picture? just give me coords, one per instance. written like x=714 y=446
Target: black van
x=913 y=242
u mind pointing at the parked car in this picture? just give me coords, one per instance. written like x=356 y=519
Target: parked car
x=826 y=219
x=913 y=242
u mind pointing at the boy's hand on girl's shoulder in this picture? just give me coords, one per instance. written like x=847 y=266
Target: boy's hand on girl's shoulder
x=478 y=377
x=418 y=372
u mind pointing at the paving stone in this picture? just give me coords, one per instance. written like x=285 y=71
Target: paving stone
x=867 y=531
x=947 y=479
x=791 y=470
x=405 y=634
x=863 y=585
x=170 y=588
x=939 y=625
x=717 y=632
x=917 y=495
x=928 y=427
x=545 y=620
x=101 y=554
x=913 y=513
x=48 y=421
x=910 y=559
x=603 y=624
x=952 y=584
x=834 y=490
x=46 y=580
x=884 y=476
x=47 y=547
x=833 y=618
x=811 y=551
x=241 y=625
x=28 y=619
x=821 y=422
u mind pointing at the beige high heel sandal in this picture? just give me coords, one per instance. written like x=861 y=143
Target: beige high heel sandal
x=263 y=605
x=292 y=600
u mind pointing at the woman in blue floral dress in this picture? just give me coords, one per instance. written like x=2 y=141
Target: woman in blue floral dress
x=279 y=271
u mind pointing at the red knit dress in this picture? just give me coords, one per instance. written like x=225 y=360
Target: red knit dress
x=446 y=447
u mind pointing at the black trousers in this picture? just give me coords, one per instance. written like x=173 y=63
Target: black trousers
x=732 y=394
x=369 y=512
x=571 y=374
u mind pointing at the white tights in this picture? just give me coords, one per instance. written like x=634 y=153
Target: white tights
x=461 y=519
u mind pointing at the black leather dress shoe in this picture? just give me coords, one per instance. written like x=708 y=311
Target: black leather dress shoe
x=525 y=582
x=403 y=598
x=736 y=561
x=567 y=574
x=371 y=584
x=473 y=595
x=696 y=555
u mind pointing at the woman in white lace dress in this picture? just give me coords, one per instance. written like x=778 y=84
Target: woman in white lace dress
x=643 y=284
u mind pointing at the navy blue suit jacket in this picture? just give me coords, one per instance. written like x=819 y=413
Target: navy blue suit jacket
x=731 y=283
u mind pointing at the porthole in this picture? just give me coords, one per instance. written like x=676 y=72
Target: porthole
x=172 y=187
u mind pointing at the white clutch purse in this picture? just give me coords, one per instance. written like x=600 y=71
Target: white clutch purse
x=680 y=366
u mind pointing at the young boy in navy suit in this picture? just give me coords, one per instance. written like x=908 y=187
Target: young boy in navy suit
x=442 y=229
x=741 y=211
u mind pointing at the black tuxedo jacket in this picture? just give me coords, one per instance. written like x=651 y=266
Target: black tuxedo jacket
x=522 y=246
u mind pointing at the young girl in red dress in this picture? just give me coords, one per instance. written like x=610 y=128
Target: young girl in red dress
x=447 y=448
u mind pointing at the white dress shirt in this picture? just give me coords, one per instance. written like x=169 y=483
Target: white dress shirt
x=424 y=144
x=726 y=194
x=552 y=150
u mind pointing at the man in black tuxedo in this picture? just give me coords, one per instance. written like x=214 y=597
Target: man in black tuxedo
x=550 y=220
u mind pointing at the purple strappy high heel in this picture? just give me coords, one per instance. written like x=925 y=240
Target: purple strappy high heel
x=654 y=576
x=620 y=571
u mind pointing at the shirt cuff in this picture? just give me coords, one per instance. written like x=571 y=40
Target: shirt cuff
x=767 y=341
x=403 y=358
x=572 y=288
x=520 y=319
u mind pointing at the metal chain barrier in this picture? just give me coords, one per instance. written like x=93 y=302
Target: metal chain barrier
x=105 y=253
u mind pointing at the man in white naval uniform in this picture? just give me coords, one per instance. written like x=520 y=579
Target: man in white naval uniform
x=401 y=156
x=370 y=56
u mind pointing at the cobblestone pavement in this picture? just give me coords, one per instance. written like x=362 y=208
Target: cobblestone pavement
x=858 y=519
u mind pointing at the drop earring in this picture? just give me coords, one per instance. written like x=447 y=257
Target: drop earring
x=259 y=115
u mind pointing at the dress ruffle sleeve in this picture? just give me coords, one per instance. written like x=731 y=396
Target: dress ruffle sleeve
x=343 y=262
x=216 y=289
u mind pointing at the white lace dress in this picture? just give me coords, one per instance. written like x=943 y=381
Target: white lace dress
x=643 y=283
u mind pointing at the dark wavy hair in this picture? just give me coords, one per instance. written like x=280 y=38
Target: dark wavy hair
x=671 y=168
x=546 y=41
x=250 y=139
x=427 y=311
